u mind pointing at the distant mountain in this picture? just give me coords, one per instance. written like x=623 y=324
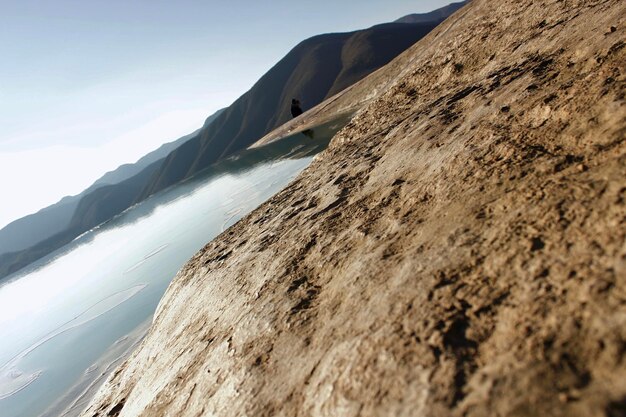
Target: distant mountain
x=434 y=16
x=38 y=227
x=88 y=213
x=110 y=200
x=126 y=171
x=29 y=230
x=313 y=71
x=123 y=172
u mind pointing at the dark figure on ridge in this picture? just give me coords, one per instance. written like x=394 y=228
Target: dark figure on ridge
x=296 y=110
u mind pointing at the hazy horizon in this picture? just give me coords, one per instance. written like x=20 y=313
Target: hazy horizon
x=88 y=87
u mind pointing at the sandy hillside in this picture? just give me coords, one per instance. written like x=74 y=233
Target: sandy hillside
x=459 y=250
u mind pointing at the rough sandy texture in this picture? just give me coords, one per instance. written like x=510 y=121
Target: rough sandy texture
x=458 y=250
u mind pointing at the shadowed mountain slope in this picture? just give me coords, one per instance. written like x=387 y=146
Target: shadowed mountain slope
x=87 y=212
x=34 y=236
x=124 y=172
x=110 y=200
x=29 y=230
x=38 y=227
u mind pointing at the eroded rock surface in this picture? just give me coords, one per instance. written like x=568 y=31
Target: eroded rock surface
x=459 y=250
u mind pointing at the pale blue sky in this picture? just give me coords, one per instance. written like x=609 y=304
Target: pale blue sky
x=86 y=85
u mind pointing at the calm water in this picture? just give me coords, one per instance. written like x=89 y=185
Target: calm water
x=68 y=320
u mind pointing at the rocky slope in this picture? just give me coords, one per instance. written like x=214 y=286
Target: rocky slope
x=459 y=250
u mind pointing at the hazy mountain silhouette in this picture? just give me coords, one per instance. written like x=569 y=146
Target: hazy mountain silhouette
x=38 y=227
x=118 y=197
x=29 y=230
x=123 y=172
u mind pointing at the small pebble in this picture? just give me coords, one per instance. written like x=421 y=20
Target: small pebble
x=574 y=394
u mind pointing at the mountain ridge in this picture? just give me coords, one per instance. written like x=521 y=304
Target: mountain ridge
x=440 y=13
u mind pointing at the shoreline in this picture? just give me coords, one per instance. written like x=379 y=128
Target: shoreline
x=8 y=369
x=76 y=398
